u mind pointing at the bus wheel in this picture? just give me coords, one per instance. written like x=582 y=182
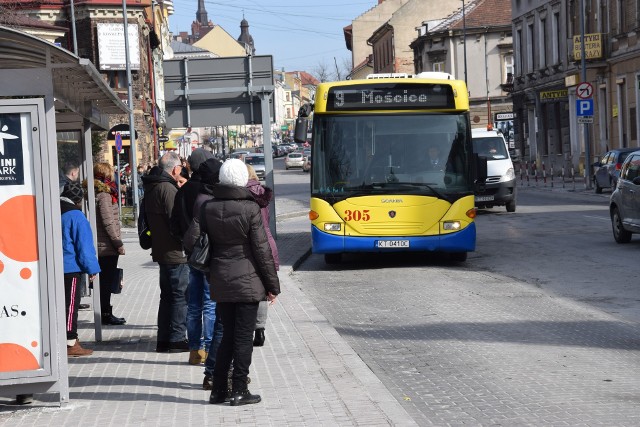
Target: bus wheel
x=459 y=256
x=332 y=258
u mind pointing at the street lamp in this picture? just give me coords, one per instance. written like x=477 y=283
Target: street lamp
x=464 y=42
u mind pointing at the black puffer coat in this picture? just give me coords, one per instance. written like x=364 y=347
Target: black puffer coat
x=241 y=267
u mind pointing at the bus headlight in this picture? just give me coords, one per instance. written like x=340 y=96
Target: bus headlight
x=332 y=226
x=509 y=176
x=451 y=225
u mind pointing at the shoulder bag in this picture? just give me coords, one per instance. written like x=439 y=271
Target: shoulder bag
x=199 y=257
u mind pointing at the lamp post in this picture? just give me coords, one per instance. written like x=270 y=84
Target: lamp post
x=464 y=43
x=583 y=69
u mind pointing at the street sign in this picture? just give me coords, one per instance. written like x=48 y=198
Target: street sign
x=584 y=107
x=585 y=119
x=163 y=138
x=584 y=90
x=285 y=127
x=118 y=142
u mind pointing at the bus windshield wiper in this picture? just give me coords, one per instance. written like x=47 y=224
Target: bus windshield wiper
x=383 y=185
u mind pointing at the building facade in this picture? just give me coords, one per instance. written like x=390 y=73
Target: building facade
x=474 y=45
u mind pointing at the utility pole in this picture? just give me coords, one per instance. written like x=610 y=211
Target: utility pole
x=464 y=42
x=583 y=69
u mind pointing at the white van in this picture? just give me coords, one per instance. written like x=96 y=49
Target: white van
x=500 y=186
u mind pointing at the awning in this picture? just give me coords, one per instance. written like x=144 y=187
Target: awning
x=78 y=88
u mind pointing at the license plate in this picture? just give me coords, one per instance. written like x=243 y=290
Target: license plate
x=392 y=243
x=484 y=198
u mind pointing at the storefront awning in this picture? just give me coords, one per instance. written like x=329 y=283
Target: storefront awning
x=78 y=88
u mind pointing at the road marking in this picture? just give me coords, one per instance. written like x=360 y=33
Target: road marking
x=597 y=217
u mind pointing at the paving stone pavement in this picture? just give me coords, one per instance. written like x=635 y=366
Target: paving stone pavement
x=306 y=373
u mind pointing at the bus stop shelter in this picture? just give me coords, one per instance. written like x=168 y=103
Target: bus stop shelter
x=51 y=101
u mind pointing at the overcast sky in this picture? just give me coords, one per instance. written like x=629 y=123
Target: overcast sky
x=298 y=34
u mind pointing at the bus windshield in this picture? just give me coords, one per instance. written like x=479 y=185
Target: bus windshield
x=422 y=154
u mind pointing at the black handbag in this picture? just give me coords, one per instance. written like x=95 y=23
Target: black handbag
x=118 y=283
x=199 y=257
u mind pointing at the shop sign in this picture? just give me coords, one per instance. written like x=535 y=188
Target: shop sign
x=592 y=47
x=553 y=95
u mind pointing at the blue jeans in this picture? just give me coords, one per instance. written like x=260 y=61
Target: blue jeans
x=172 y=312
x=201 y=311
x=218 y=330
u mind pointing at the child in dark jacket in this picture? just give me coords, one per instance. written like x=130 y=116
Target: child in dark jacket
x=79 y=256
x=262 y=195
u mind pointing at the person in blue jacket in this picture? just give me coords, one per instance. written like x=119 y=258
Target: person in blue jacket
x=79 y=256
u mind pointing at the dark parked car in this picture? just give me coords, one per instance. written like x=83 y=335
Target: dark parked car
x=624 y=205
x=608 y=168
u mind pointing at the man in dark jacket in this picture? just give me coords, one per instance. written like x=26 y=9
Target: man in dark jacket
x=201 y=311
x=160 y=191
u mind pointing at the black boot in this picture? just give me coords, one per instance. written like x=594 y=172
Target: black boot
x=109 y=319
x=241 y=394
x=219 y=391
x=258 y=339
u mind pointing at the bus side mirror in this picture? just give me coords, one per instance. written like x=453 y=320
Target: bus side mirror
x=480 y=169
x=300 y=130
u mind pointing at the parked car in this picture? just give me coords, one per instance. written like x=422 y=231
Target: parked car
x=306 y=166
x=257 y=161
x=608 y=168
x=293 y=160
x=624 y=204
x=239 y=154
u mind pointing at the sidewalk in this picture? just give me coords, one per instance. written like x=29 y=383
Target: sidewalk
x=306 y=373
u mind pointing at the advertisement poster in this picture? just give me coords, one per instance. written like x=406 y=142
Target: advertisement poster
x=111 y=52
x=20 y=322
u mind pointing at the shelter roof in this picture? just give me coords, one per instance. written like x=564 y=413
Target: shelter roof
x=77 y=85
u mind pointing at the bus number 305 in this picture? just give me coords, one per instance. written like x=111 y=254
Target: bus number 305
x=363 y=215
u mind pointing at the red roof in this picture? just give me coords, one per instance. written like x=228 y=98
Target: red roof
x=305 y=78
x=485 y=13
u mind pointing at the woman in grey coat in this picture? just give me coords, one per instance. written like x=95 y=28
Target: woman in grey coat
x=241 y=273
x=110 y=245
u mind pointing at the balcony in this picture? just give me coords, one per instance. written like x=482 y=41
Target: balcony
x=508 y=85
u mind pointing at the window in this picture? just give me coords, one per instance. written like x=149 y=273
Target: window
x=438 y=66
x=519 y=52
x=620 y=21
x=117 y=79
x=542 y=43
x=508 y=65
x=555 y=33
x=530 y=48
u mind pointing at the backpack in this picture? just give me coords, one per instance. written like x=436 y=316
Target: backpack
x=144 y=232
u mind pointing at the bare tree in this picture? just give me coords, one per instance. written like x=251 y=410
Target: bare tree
x=339 y=70
x=322 y=72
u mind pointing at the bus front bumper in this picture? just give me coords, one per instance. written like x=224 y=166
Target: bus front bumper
x=460 y=241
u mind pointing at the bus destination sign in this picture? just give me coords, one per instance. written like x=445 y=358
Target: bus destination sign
x=391 y=96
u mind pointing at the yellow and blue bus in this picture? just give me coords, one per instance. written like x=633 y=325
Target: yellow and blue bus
x=393 y=166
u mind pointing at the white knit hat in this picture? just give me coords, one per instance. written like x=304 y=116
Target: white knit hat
x=234 y=171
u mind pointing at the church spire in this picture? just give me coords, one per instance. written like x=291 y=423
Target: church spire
x=245 y=38
x=201 y=14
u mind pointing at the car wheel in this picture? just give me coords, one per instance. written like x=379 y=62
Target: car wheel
x=332 y=258
x=619 y=233
x=511 y=206
x=286 y=168
x=459 y=256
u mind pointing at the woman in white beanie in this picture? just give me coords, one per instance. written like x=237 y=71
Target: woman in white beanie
x=241 y=273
